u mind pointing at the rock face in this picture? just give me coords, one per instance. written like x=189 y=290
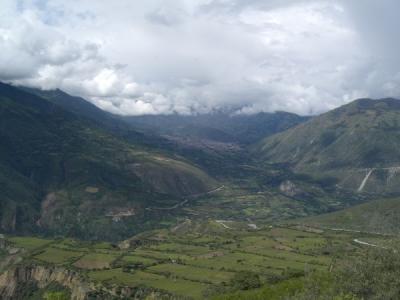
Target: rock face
x=42 y=277
x=15 y=279
x=289 y=189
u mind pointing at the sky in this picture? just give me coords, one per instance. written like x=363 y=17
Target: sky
x=197 y=56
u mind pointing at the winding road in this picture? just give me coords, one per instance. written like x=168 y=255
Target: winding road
x=180 y=204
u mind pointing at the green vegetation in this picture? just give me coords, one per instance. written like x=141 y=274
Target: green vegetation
x=57 y=256
x=294 y=288
x=204 y=261
x=246 y=281
x=191 y=273
x=374 y=275
x=95 y=261
x=252 y=230
x=380 y=216
x=140 y=278
x=355 y=278
x=134 y=259
x=56 y=296
x=29 y=243
x=52 y=291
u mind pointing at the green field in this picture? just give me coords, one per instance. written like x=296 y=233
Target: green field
x=134 y=259
x=202 y=257
x=140 y=278
x=192 y=273
x=57 y=256
x=95 y=261
x=29 y=243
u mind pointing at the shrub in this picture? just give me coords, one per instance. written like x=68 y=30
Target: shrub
x=246 y=280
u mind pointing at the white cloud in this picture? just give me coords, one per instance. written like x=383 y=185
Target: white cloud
x=164 y=56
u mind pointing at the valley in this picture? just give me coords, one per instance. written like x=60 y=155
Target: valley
x=215 y=206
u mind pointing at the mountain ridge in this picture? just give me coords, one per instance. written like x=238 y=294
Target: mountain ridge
x=344 y=144
x=74 y=173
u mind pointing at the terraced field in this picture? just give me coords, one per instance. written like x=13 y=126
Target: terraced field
x=200 y=257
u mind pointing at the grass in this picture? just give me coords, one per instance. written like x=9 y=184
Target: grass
x=181 y=248
x=134 y=259
x=57 y=256
x=95 y=261
x=204 y=256
x=159 y=255
x=192 y=273
x=140 y=278
x=29 y=243
x=117 y=276
x=241 y=261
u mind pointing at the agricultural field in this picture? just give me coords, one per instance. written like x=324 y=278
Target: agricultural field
x=195 y=259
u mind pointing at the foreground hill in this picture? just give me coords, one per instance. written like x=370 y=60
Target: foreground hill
x=356 y=146
x=194 y=260
x=62 y=173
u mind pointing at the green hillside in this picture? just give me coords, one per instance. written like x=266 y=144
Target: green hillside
x=62 y=173
x=380 y=216
x=355 y=145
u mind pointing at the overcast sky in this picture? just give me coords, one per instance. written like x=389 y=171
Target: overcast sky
x=163 y=56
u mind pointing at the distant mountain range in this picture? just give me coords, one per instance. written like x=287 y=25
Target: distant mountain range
x=219 y=126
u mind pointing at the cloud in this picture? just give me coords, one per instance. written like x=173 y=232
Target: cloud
x=187 y=56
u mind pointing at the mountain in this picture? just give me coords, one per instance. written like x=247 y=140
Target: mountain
x=212 y=149
x=63 y=173
x=114 y=123
x=76 y=105
x=354 y=146
x=219 y=126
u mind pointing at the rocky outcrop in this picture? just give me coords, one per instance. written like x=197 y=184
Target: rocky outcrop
x=288 y=188
x=15 y=279
x=42 y=276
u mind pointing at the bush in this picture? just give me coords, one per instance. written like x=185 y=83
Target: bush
x=56 y=296
x=246 y=280
x=373 y=276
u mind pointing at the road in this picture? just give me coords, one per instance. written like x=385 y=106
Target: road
x=180 y=204
x=222 y=222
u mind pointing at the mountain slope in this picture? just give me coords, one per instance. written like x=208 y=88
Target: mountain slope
x=114 y=123
x=355 y=145
x=62 y=173
x=380 y=216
